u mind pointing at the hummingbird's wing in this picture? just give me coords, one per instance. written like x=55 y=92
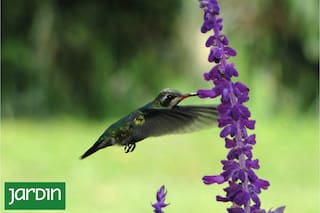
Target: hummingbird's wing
x=179 y=119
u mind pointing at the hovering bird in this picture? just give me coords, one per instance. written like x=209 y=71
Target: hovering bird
x=161 y=116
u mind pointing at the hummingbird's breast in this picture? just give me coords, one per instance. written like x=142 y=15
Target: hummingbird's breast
x=122 y=130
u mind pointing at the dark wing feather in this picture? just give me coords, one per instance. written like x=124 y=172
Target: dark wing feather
x=180 y=119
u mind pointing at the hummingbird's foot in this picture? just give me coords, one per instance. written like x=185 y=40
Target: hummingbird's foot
x=129 y=147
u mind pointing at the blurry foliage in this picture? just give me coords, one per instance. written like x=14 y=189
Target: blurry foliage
x=83 y=56
x=96 y=58
x=289 y=45
x=277 y=39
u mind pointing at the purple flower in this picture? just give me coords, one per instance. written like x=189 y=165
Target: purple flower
x=234 y=119
x=213 y=179
x=277 y=210
x=161 y=196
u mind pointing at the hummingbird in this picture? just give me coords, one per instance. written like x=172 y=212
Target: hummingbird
x=161 y=116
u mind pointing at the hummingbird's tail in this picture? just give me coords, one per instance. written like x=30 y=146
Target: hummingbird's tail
x=101 y=143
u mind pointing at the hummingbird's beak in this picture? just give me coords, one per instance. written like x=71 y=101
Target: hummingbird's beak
x=188 y=95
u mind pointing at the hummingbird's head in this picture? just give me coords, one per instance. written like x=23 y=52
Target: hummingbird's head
x=102 y=142
x=169 y=98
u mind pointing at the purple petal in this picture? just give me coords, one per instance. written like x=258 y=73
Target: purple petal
x=241 y=175
x=251 y=139
x=219 y=82
x=256 y=199
x=264 y=184
x=233 y=154
x=216 y=68
x=219 y=24
x=230 y=143
x=207 y=24
x=204 y=28
x=241 y=87
x=224 y=121
x=227 y=174
x=224 y=40
x=255 y=209
x=213 y=179
x=252 y=164
x=212 y=54
x=239 y=93
x=236 y=152
x=249 y=123
x=207 y=93
x=219 y=20
x=242 y=198
x=243 y=99
x=235 y=113
x=224 y=109
x=210 y=41
x=207 y=76
x=247 y=150
x=235 y=210
x=230 y=51
x=233 y=190
x=214 y=8
x=230 y=164
x=230 y=71
x=225 y=95
x=228 y=130
x=215 y=55
x=245 y=113
x=222 y=199
x=213 y=74
x=277 y=210
x=161 y=193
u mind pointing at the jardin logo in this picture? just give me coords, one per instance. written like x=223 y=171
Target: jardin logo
x=35 y=195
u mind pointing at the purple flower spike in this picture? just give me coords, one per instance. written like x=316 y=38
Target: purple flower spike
x=161 y=196
x=234 y=119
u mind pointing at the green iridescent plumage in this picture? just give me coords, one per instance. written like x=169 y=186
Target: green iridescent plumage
x=162 y=116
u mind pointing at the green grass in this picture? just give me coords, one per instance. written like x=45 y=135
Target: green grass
x=111 y=181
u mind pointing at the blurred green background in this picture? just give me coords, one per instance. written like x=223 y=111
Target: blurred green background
x=71 y=68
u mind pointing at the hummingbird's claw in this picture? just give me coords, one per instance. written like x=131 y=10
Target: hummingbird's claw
x=129 y=147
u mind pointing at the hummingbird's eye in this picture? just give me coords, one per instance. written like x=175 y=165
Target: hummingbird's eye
x=170 y=97
x=166 y=100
